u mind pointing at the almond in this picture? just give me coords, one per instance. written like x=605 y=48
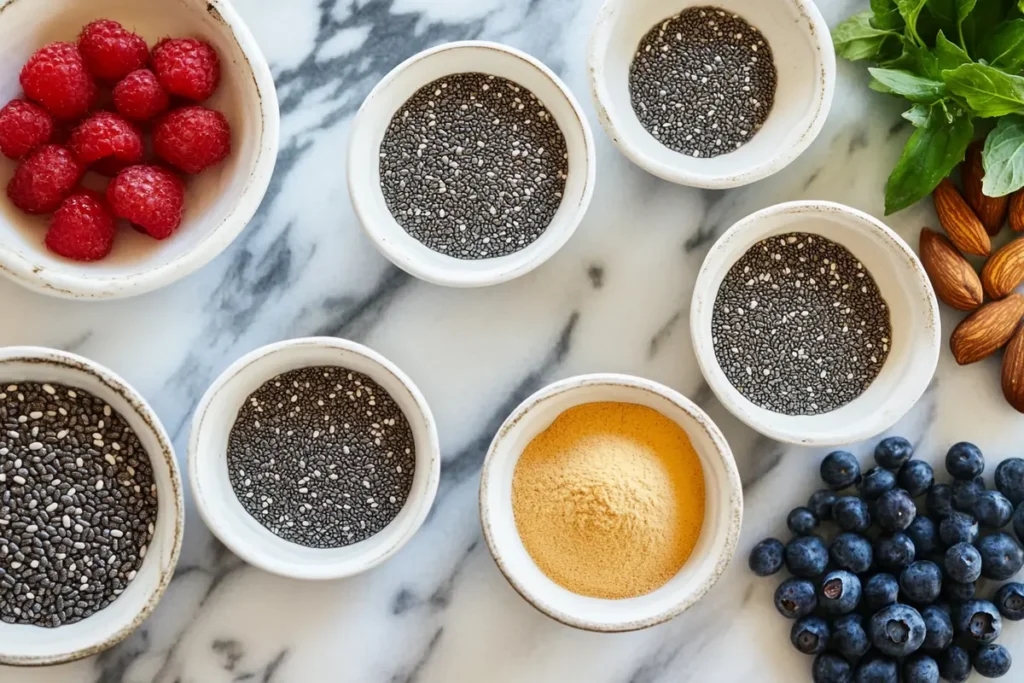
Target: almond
x=962 y=226
x=987 y=330
x=991 y=211
x=953 y=278
x=1004 y=270
x=1013 y=371
x=1017 y=211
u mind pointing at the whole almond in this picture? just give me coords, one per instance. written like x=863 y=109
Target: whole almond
x=991 y=211
x=987 y=330
x=1004 y=270
x=1013 y=371
x=953 y=278
x=1017 y=211
x=962 y=226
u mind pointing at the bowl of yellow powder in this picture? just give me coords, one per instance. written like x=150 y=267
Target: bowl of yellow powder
x=610 y=502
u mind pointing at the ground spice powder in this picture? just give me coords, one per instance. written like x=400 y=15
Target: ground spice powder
x=609 y=500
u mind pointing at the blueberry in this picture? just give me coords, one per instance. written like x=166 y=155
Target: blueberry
x=939 y=501
x=877 y=668
x=1010 y=479
x=1001 y=556
x=766 y=557
x=795 y=598
x=881 y=590
x=840 y=470
x=1010 y=601
x=920 y=669
x=1018 y=521
x=806 y=556
x=893 y=453
x=957 y=592
x=921 y=582
x=955 y=664
x=897 y=630
x=992 y=661
x=840 y=592
x=829 y=668
x=849 y=637
x=959 y=527
x=963 y=563
x=965 y=461
x=820 y=503
x=993 y=509
x=978 y=621
x=895 y=552
x=895 y=510
x=810 y=635
x=851 y=551
x=966 y=492
x=938 y=629
x=925 y=535
x=851 y=514
x=916 y=477
x=801 y=521
x=875 y=482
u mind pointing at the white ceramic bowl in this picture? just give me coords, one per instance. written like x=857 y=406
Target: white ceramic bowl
x=23 y=645
x=904 y=285
x=723 y=505
x=236 y=528
x=374 y=116
x=806 y=66
x=218 y=203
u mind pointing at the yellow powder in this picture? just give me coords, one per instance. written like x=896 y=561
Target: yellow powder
x=609 y=500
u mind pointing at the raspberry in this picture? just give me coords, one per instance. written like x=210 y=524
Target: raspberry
x=56 y=77
x=83 y=227
x=109 y=138
x=187 y=67
x=110 y=51
x=151 y=197
x=192 y=138
x=24 y=127
x=140 y=96
x=44 y=179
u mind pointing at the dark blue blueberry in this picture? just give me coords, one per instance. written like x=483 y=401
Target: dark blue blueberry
x=881 y=590
x=955 y=664
x=965 y=461
x=978 y=621
x=840 y=470
x=920 y=669
x=895 y=510
x=992 y=661
x=921 y=582
x=892 y=453
x=767 y=557
x=963 y=563
x=820 y=503
x=925 y=535
x=877 y=668
x=875 y=482
x=895 y=552
x=828 y=668
x=851 y=551
x=810 y=635
x=795 y=598
x=1001 y=556
x=939 y=501
x=916 y=477
x=938 y=629
x=801 y=521
x=957 y=592
x=851 y=514
x=1018 y=521
x=1010 y=601
x=993 y=509
x=849 y=637
x=806 y=556
x=966 y=492
x=840 y=592
x=959 y=527
x=1010 y=479
x=897 y=630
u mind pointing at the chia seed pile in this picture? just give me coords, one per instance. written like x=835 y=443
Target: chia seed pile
x=321 y=456
x=799 y=326
x=473 y=166
x=77 y=507
x=703 y=82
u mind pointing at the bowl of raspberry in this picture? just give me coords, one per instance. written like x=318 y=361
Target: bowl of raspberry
x=137 y=140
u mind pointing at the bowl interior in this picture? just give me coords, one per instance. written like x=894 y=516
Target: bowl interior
x=211 y=198
x=237 y=529
x=381 y=106
x=723 y=507
x=803 y=57
x=913 y=310
x=23 y=644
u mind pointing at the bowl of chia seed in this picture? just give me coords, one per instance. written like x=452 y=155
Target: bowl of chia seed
x=314 y=458
x=470 y=164
x=91 y=507
x=712 y=94
x=815 y=324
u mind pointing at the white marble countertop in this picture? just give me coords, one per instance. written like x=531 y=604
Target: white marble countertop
x=615 y=299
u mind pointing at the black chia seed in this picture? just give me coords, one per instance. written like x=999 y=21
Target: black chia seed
x=799 y=326
x=77 y=504
x=703 y=82
x=321 y=456
x=473 y=166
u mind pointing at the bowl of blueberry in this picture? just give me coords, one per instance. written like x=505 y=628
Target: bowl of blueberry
x=894 y=576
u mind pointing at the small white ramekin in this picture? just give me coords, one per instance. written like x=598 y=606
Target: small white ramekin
x=804 y=59
x=904 y=285
x=380 y=106
x=237 y=529
x=718 y=537
x=22 y=645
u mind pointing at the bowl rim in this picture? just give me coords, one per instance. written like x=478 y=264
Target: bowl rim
x=258 y=557
x=897 y=404
x=814 y=28
x=454 y=275
x=62 y=284
x=732 y=503
x=114 y=382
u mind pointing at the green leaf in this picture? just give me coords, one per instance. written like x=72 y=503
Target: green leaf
x=1005 y=47
x=963 y=8
x=857 y=39
x=910 y=10
x=988 y=91
x=934 y=149
x=977 y=27
x=886 y=15
x=948 y=55
x=914 y=88
x=1003 y=157
x=918 y=114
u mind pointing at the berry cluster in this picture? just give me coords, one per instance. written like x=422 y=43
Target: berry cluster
x=58 y=134
x=891 y=594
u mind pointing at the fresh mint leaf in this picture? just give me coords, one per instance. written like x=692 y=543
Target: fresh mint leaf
x=886 y=15
x=988 y=91
x=963 y=8
x=918 y=114
x=910 y=10
x=917 y=60
x=914 y=88
x=978 y=26
x=949 y=55
x=857 y=39
x=1005 y=47
x=1003 y=157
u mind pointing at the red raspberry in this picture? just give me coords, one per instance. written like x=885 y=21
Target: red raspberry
x=187 y=67
x=44 y=179
x=24 y=127
x=192 y=138
x=56 y=78
x=140 y=96
x=150 y=197
x=83 y=227
x=106 y=137
x=110 y=51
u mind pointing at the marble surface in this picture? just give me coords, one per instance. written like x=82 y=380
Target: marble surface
x=615 y=299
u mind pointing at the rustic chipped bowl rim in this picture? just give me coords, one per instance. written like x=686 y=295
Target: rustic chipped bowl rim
x=730 y=497
x=166 y=460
